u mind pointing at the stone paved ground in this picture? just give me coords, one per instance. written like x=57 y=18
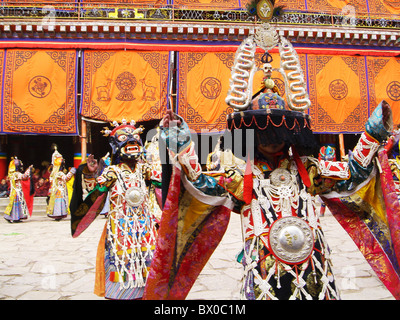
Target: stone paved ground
x=39 y=260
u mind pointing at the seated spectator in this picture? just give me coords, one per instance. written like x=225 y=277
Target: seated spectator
x=42 y=188
x=45 y=173
x=4 y=188
x=36 y=176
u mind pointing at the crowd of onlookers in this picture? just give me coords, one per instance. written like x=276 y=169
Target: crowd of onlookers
x=40 y=179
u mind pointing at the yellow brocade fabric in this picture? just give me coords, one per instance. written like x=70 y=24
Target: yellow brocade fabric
x=53 y=188
x=372 y=206
x=11 y=197
x=371 y=195
x=367 y=224
x=233 y=184
x=192 y=213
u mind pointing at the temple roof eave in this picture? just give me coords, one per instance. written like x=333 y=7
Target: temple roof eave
x=236 y=32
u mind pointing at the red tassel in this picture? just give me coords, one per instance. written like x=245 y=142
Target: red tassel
x=248 y=182
x=302 y=169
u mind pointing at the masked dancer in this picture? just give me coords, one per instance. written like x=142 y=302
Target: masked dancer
x=285 y=254
x=21 y=192
x=57 y=207
x=126 y=246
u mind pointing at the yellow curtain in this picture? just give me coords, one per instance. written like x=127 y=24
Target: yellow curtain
x=124 y=85
x=39 y=92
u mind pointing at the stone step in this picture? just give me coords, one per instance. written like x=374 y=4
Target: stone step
x=39 y=205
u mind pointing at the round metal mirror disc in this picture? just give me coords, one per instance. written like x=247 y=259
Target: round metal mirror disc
x=291 y=240
x=134 y=196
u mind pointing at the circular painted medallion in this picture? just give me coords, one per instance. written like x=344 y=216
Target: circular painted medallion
x=211 y=88
x=338 y=89
x=39 y=86
x=393 y=90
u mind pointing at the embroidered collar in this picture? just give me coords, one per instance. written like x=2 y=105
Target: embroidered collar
x=263 y=166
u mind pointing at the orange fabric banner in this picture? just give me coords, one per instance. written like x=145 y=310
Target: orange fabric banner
x=127 y=85
x=211 y=4
x=384 y=83
x=348 y=8
x=338 y=93
x=276 y=76
x=203 y=83
x=344 y=90
x=39 y=92
x=345 y=7
x=2 y=57
x=391 y=6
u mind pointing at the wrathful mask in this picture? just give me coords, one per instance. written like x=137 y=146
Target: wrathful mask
x=125 y=142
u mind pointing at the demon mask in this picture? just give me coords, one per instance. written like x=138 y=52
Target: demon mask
x=125 y=141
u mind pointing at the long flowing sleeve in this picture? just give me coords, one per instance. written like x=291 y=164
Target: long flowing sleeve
x=91 y=207
x=346 y=176
x=195 y=217
x=366 y=204
x=227 y=182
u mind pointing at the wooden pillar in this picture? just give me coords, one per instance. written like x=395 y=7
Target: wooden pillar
x=3 y=157
x=341 y=144
x=83 y=140
x=80 y=147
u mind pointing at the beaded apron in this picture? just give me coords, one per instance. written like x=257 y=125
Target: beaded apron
x=130 y=228
x=284 y=241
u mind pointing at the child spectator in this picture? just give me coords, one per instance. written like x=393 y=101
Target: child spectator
x=4 y=188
